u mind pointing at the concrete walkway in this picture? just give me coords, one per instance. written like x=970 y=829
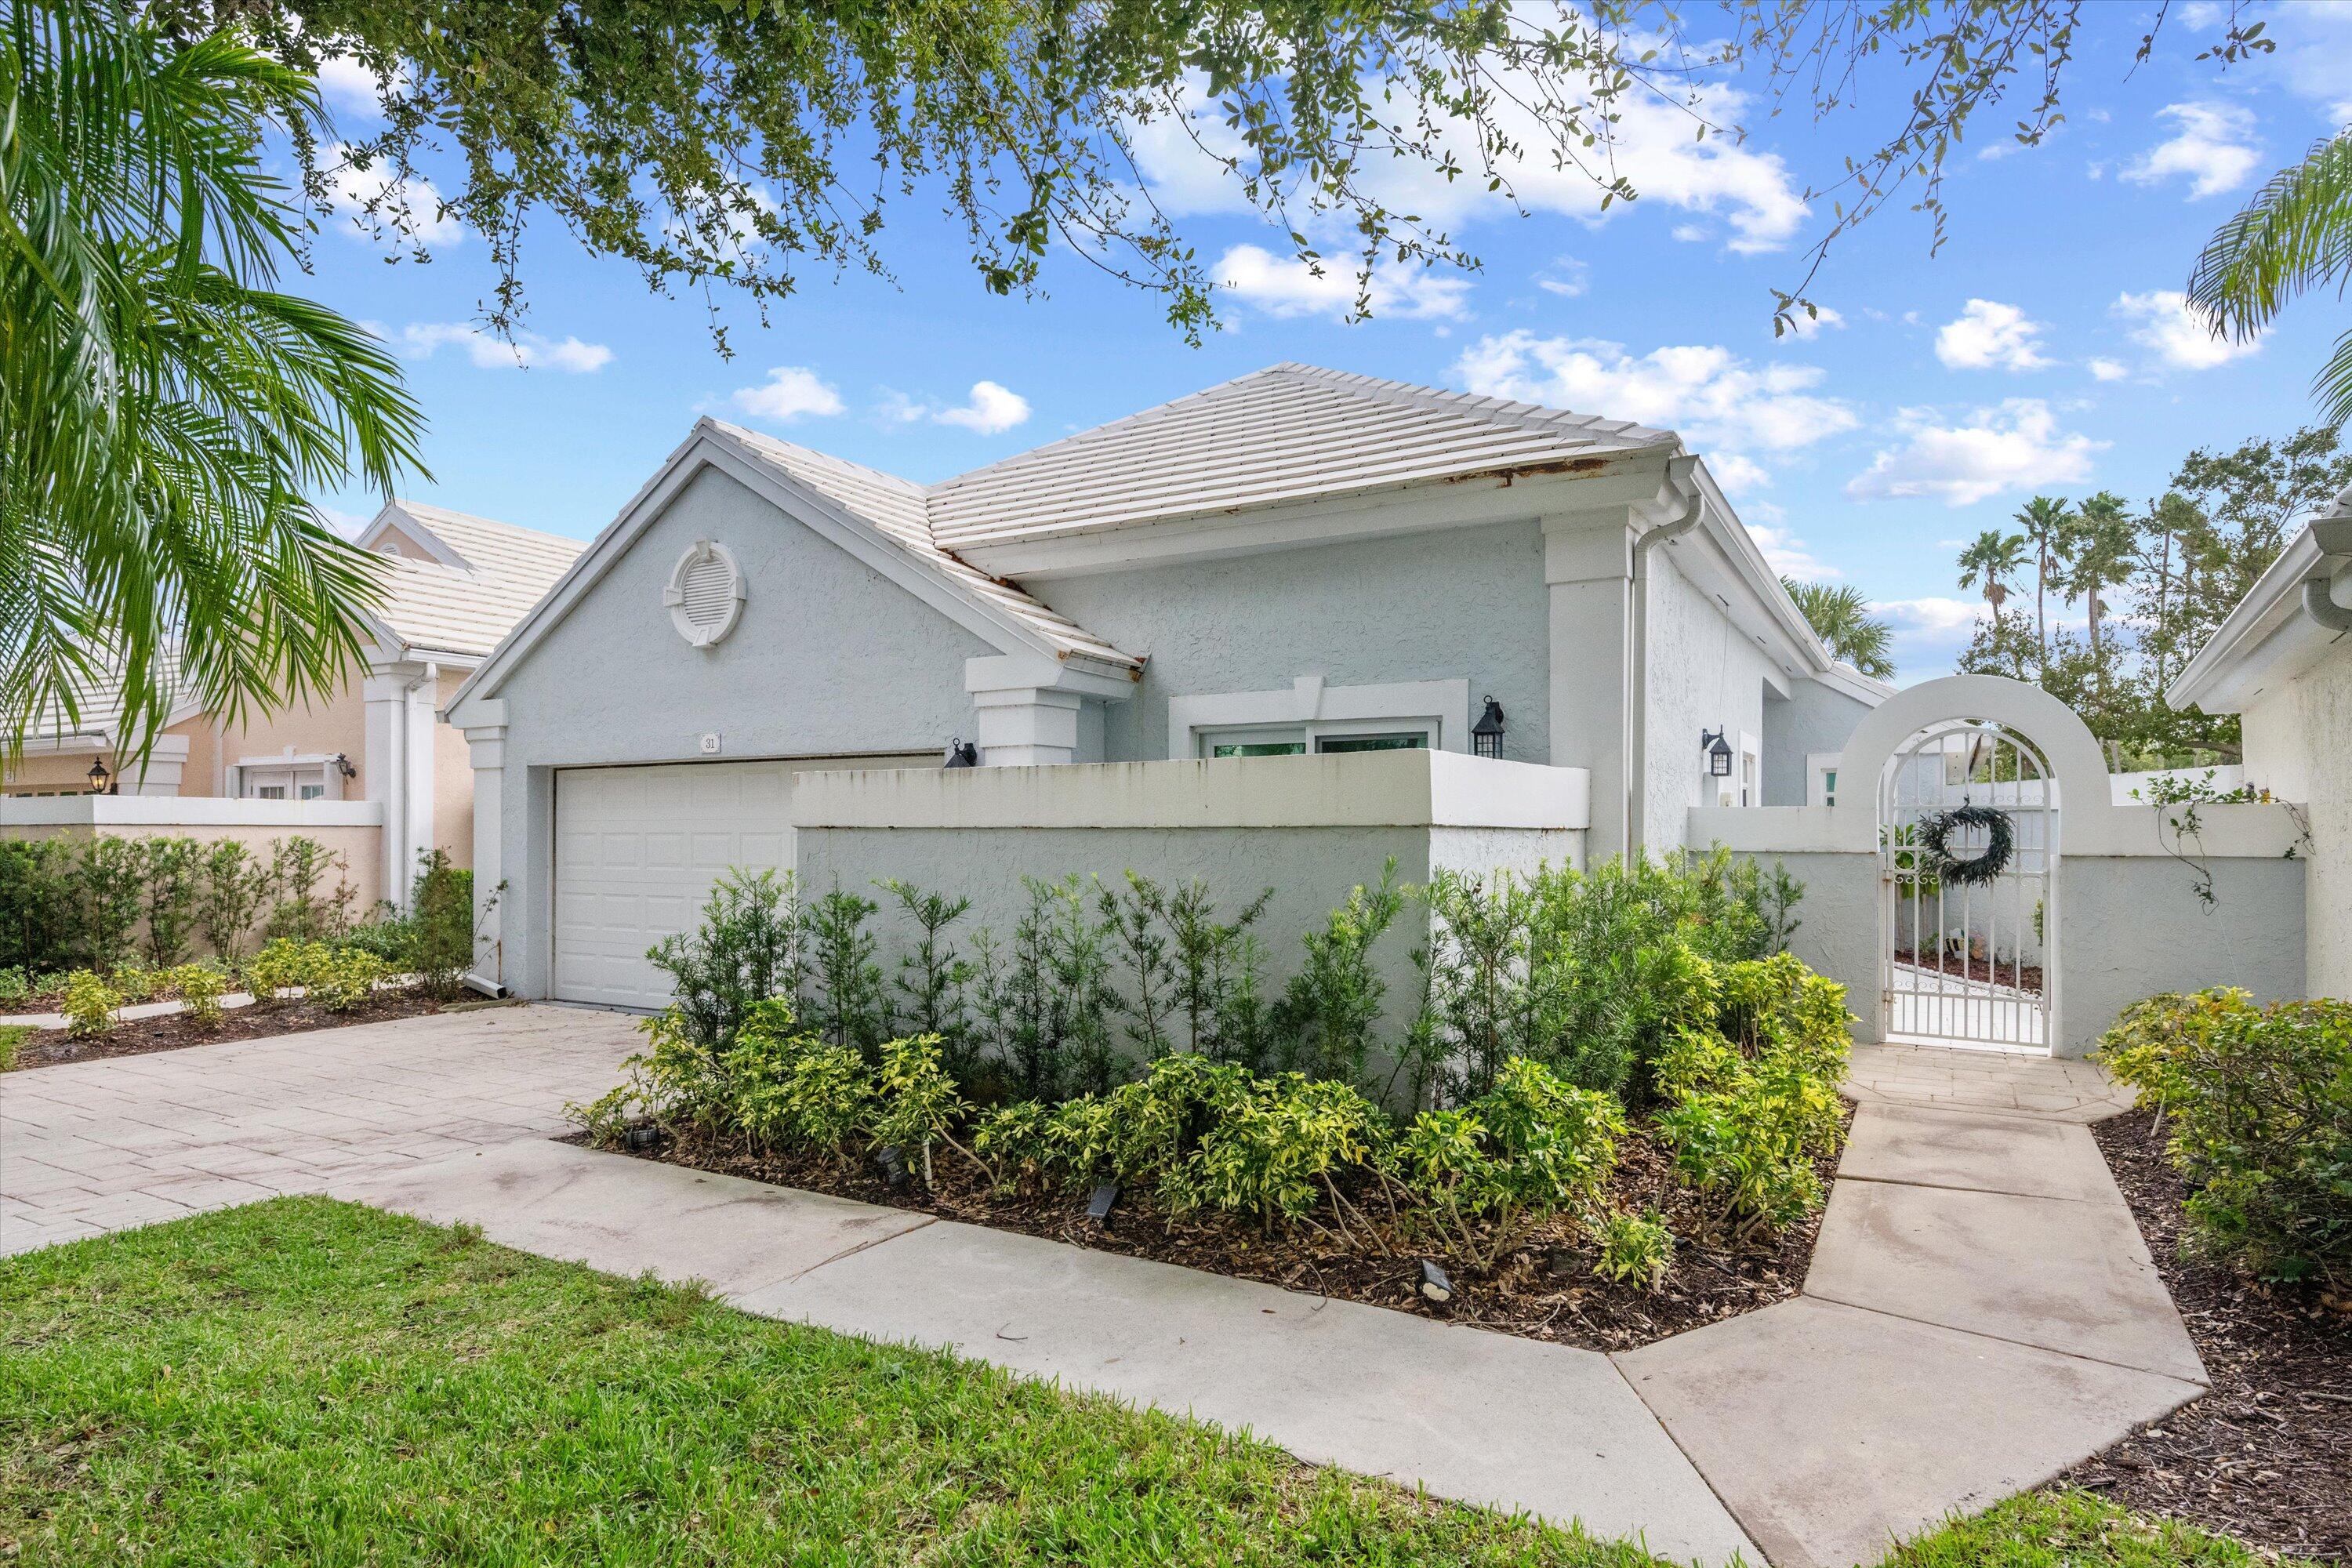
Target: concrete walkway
x=103 y=1145
x=1981 y=1313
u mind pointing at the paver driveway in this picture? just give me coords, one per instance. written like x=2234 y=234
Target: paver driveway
x=96 y=1146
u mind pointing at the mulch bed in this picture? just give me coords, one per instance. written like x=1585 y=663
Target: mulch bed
x=2267 y=1455
x=1547 y=1293
x=173 y=1031
x=2027 y=979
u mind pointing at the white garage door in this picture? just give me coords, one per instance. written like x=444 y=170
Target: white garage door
x=635 y=852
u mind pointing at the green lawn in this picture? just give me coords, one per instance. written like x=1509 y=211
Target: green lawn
x=315 y=1381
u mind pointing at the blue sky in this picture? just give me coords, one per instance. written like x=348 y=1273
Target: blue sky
x=2040 y=350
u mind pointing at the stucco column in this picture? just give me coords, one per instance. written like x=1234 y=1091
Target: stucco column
x=486 y=749
x=385 y=775
x=1589 y=575
x=1026 y=726
x=416 y=760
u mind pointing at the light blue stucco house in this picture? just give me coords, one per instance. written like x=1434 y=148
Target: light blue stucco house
x=1272 y=612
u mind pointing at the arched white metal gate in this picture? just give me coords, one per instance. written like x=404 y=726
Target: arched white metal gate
x=1968 y=961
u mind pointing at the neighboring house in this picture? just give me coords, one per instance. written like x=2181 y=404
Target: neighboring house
x=455 y=586
x=1295 y=561
x=2283 y=663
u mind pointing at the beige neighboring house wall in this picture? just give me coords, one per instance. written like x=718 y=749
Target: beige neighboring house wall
x=457 y=584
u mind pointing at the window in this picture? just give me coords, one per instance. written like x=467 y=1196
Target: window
x=1265 y=748
x=1829 y=786
x=313 y=792
x=1416 y=742
x=269 y=791
x=1323 y=738
x=1310 y=715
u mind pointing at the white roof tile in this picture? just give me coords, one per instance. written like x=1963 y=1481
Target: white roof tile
x=467 y=609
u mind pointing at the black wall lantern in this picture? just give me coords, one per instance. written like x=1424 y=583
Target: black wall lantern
x=1487 y=734
x=1717 y=752
x=98 y=776
x=963 y=754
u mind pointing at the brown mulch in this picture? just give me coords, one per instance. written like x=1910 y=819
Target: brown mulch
x=176 y=1031
x=1549 y=1291
x=2267 y=1455
x=2027 y=979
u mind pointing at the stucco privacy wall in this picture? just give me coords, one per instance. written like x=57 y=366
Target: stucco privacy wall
x=1305 y=829
x=1812 y=718
x=2129 y=922
x=2299 y=746
x=829 y=658
x=1704 y=674
x=1458 y=604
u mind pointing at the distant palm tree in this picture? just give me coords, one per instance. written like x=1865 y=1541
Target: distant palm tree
x=2295 y=234
x=1989 y=562
x=2044 y=520
x=163 y=408
x=1841 y=617
x=2098 y=549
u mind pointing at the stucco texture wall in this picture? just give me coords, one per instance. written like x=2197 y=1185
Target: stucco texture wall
x=2299 y=746
x=1812 y=718
x=1466 y=604
x=322 y=727
x=1703 y=675
x=453 y=781
x=829 y=659
x=2131 y=926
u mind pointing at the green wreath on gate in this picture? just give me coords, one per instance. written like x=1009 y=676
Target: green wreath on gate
x=2000 y=843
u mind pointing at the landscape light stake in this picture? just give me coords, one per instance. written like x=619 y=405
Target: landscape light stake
x=641 y=1135
x=1098 y=1206
x=1434 y=1286
x=888 y=1161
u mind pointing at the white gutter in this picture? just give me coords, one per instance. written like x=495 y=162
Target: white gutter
x=1637 y=726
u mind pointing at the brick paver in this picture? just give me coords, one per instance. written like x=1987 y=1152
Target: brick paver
x=1998 y=1083
x=88 y=1147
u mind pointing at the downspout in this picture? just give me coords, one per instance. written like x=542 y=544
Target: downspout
x=1637 y=754
x=2333 y=537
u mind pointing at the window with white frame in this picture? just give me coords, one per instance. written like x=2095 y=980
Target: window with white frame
x=1310 y=717
x=1323 y=739
x=295 y=778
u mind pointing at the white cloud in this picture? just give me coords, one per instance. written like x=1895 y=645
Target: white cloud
x=421 y=340
x=365 y=197
x=1790 y=555
x=1287 y=286
x=2179 y=337
x=1804 y=328
x=1736 y=473
x=1728 y=406
x=2107 y=369
x=1690 y=233
x=346 y=523
x=790 y=391
x=1566 y=277
x=2213 y=148
x=991 y=410
x=2015 y=446
x=1652 y=145
x=1930 y=617
x=1988 y=334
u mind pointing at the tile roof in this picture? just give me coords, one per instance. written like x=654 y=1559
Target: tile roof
x=441 y=608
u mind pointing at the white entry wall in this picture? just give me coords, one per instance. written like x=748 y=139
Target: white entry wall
x=636 y=851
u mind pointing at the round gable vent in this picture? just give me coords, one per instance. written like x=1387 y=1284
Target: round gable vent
x=705 y=594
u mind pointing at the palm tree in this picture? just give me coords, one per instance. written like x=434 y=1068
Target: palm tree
x=2098 y=549
x=164 y=410
x=1991 y=561
x=2044 y=520
x=2295 y=234
x=1841 y=617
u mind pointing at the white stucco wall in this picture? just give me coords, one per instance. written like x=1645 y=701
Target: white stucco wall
x=2298 y=745
x=1705 y=674
x=1458 y=604
x=829 y=659
x=1812 y=718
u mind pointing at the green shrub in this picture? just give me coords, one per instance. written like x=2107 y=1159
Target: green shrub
x=14 y=986
x=173 y=869
x=605 y=1120
x=38 y=918
x=747 y=949
x=933 y=981
x=1332 y=1005
x=390 y=936
x=1280 y=1150
x=1634 y=1247
x=340 y=979
x=1016 y=1143
x=200 y=986
x=1482 y=1176
x=847 y=1002
x=89 y=1004
x=111 y=879
x=915 y=1101
x=279 y=966
x=299 y=910
x=2257 y=1104
x=441 y=919
x=231 y=890
x=135 y=983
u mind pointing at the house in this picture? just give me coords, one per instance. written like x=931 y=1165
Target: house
x=455 y=585
x=1299 y=592
x=2281 y=661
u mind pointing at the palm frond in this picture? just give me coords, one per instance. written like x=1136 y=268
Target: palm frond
x=2295 y=234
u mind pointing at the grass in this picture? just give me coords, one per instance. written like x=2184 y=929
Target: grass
x=309 y=1381
x=12 y=1040
x=306 y=1381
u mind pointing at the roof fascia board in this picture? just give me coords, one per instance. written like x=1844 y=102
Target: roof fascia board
x=417 y=529
x=1424 y=506
x=1730 y=536
x=2242 y=650
x=709 y=447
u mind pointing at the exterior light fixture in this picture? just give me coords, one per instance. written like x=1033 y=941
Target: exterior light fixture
x=1434 y=1286
x=641 y=1135
x=1098 y=1206
x=963 y=754
x=342 y=762
x=98 y=776
x=1487 y=734
x=1717 y=752
x=888 y=1161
